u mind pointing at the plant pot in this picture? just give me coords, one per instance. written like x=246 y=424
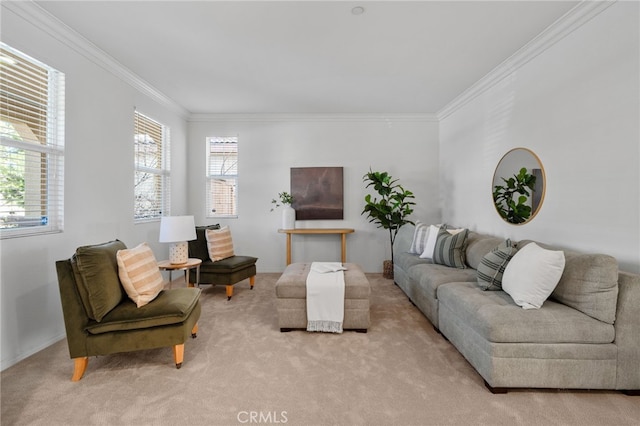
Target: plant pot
x=288 y=217
x=387 y=269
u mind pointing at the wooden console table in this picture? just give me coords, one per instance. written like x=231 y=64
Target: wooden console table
x=340 y=231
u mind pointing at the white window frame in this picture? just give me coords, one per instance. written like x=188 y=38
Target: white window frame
x=155 y=174
x=32 y=137
x=222 y=169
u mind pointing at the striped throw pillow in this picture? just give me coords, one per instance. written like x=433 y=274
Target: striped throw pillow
x=219 y=243
x=493 y=264
x=420 y=235
x=139 y=274
x=450 y=248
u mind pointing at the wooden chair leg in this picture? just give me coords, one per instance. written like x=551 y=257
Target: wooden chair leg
x=252 y=281
x=194 y=331
x=79 y=367
x=229 y=292
x=178 y=355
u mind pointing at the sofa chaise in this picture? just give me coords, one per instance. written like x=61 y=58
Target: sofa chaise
x=586 y=335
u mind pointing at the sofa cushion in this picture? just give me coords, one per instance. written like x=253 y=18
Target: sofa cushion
x=219 y=243
x=406 y=260
x=170 y=307
x=589 y=284
x=228 y=265
x=430 y=276
x=450 y=248
x=493 y=264
x=532 y=274
x=96 y=271
x=478 y=245
x=139 y=274
x=496 y=317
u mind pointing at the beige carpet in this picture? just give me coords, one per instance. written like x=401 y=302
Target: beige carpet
x=242 y=370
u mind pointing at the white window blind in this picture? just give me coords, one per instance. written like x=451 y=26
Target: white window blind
x=152 y=186
x=31 y=145
x=222 y=177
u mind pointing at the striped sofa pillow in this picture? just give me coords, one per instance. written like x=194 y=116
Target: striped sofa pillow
x=420 y=235
x=139 y=274
x=450 y=248
x=219 y=243
x=493 y=264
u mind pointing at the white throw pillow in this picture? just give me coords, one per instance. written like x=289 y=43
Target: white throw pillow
x=430 y=243
x=532 y=275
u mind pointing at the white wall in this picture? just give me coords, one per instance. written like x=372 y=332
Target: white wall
x=576 y=105
x=98 y=187
x=406 y=147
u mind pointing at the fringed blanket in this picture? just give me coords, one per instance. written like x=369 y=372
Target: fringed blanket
x=325 y=297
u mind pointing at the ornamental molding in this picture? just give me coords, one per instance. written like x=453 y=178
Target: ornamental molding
x=40 y=18
x=312 y=117
x=562 y=27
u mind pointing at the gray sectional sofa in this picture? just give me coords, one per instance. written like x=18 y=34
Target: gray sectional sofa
x=586 y=335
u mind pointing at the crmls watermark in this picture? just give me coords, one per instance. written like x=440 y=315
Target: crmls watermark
x=256 y=417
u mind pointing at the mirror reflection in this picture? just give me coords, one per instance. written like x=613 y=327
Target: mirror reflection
x=518 y=186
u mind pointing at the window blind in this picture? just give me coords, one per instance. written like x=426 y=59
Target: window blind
x=222 y=177
x=152 y=183
x=31 y=145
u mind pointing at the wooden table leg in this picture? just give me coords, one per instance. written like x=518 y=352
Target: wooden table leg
x=288 y=249
x=344 y=248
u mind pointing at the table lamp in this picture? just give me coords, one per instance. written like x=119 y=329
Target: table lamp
x=177 y=230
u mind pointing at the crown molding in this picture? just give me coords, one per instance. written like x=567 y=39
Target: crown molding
x=312 y=117
x=565 y=25
x=31 y=12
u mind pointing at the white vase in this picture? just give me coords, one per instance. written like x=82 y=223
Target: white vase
x=288 y=217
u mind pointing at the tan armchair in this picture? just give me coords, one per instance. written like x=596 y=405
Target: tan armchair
x=100 y=319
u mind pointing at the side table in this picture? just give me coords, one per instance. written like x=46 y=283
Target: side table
x=191 y=263
x=340 y=231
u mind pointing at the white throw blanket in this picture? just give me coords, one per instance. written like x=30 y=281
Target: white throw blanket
x=325 y=297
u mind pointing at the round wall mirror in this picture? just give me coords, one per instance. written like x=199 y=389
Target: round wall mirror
x=518 y=186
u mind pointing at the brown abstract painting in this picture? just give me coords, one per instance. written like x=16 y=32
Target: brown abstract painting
x=317 y=192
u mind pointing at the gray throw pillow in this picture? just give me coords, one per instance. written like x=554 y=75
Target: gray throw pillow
x=450 y=248
x=493 y=264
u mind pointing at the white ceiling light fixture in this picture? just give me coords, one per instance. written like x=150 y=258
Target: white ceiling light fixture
x=358 y=10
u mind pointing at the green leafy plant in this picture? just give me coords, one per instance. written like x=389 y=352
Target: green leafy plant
x=390 y=211
x=512 y=209
x=284 y=198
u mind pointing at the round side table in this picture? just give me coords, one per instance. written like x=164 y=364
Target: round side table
x=191 y=263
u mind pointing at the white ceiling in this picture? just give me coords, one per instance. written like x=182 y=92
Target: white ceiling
x=309 y=56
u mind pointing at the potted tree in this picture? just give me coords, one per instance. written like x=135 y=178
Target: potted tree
x=390 y=211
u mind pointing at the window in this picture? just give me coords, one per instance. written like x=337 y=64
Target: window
x=152 y=184
x=31 y=145
x=222 y=177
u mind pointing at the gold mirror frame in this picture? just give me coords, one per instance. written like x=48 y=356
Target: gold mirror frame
x=509 y=166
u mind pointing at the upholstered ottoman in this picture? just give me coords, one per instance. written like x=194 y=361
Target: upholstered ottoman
x=291 y=298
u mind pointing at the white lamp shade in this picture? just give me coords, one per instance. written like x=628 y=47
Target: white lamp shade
x=175 y=229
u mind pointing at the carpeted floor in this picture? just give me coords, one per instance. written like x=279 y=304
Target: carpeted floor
x=242 y=370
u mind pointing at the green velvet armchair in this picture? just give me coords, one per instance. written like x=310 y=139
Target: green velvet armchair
x=225 y=272
x=100 y=319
